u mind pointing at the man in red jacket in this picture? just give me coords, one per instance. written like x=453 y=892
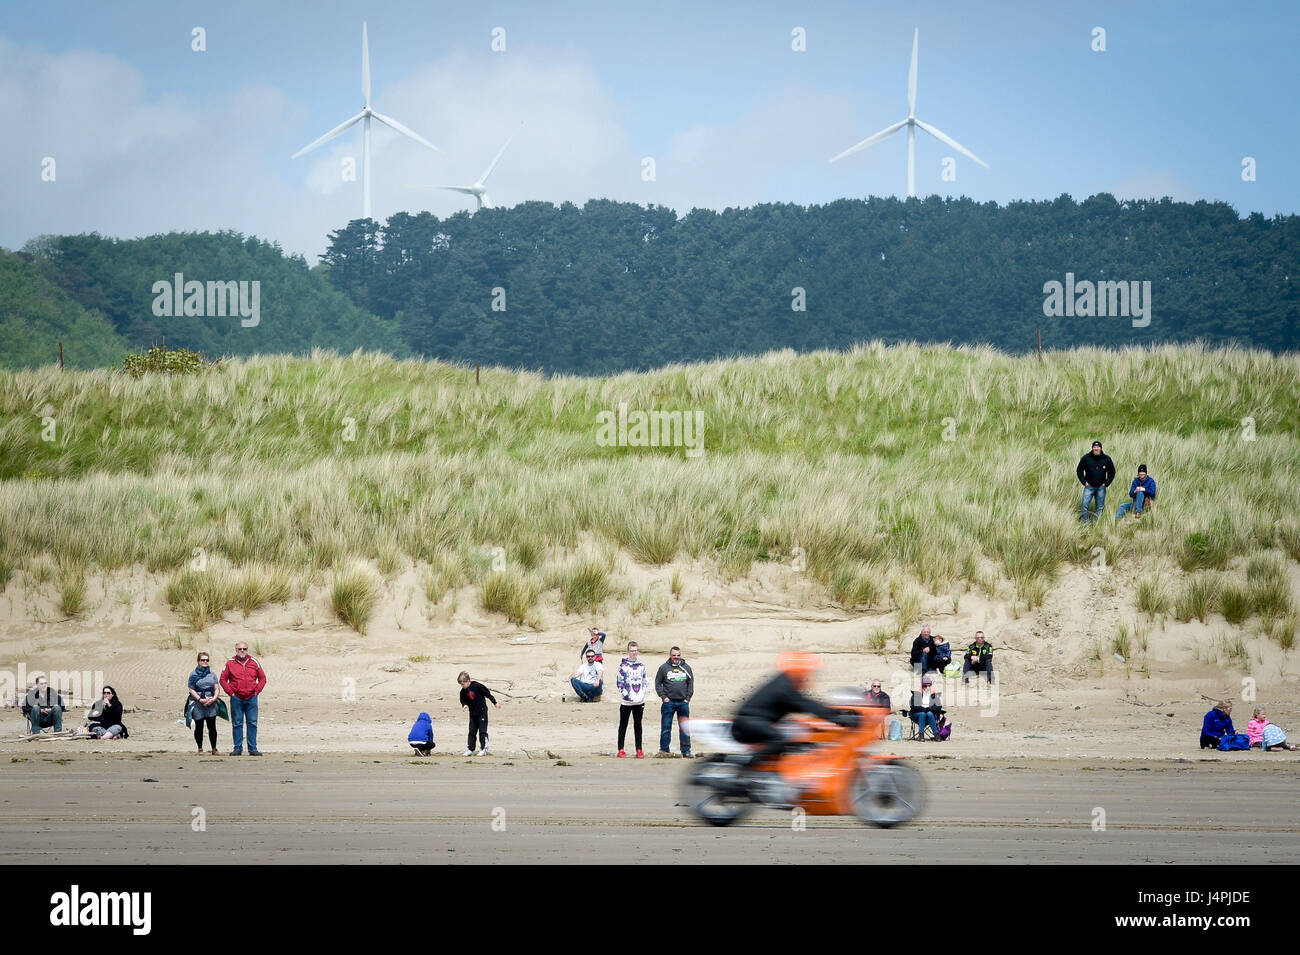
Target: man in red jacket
x=243 y=680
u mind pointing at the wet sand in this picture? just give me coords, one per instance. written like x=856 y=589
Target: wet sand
x=343 y=808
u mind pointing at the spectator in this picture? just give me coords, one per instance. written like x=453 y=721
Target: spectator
x=595 y=641
x=876 y=696
x=588 y=681
x=978 y=659
x=421 y=735
x=243 y=680
x=1217 y=724
x=1095 y=472
x=104 y=721
x=926 y=708
x=44 y=706
x=921 y=648
x=1143 y=490
x=475 y=696
x=675 y=685
x=1267 y=736
x=203 y=692
x=631 y=683
x=941 y=654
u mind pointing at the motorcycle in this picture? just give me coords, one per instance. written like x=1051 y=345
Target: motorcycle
x=827 y=770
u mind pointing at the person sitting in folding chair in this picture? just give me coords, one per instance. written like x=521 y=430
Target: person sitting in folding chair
x=44 y=707
x=926 y=709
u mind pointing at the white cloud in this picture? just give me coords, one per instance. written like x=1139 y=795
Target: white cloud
x=132 y=162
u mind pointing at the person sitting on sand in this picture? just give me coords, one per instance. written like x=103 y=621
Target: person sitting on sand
x=941 y=654
x=876 y=696
x=921 y=648
x=978 y=659
x=421 y=735
x=1217 y=724
x=1142 y=491
x=104 y=721
x=1265 y=735
x=588 y=681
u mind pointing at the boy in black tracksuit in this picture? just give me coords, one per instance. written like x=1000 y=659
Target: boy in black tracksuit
x=475 y=696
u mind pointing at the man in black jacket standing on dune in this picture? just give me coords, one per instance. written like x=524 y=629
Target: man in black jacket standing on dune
x=1095 y=472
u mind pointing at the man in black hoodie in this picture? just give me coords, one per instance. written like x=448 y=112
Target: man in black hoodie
x=1095 y=472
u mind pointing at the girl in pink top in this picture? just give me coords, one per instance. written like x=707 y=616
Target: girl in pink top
x=1266 y=735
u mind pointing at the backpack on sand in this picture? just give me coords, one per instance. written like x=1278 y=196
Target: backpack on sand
x=1234 y=741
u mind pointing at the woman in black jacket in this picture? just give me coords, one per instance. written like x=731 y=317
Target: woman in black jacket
x=107 y=723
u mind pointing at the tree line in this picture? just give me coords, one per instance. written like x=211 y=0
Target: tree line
x=612 y=286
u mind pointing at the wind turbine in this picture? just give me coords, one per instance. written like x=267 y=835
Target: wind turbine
x=364 y=117
x=479 y=189
x=911 y=123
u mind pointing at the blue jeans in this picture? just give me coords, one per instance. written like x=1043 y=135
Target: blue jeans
x=683 y=710
x=241 y=710
x=1136 y=504
x=53 y=719
x=587 y=692
x=923 y=719
x=1089 y=493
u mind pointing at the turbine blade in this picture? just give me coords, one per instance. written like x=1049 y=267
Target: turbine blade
x=484 y=202
x=944 y=138
x=394 y=124
x=330 y=135
x=871 y=140
x=465 y=189
x=911 y=74
x=365 y=63
x=488 y=171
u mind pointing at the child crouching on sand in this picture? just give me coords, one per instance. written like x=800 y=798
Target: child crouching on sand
x=421 y=735
x=475 y=696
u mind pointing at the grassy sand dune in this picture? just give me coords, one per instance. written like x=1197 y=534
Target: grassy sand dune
x=883 y=473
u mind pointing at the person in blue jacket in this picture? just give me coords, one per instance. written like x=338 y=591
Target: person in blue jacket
x=1142 y=491
x=1218 y=724
x=421 y=735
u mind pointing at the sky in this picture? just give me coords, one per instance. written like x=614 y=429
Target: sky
x=148 y=134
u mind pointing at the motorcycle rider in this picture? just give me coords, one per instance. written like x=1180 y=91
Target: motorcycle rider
x=757 y=718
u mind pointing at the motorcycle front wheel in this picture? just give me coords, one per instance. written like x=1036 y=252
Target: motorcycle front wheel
x=887 y=794
x=716 y=792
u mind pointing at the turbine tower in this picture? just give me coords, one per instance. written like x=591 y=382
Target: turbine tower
x=364 y=117
x=479 y=189
x=912 y=123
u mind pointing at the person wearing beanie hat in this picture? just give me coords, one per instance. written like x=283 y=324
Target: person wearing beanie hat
x=1142 y=491
x=926 y=709
x=1095 y=472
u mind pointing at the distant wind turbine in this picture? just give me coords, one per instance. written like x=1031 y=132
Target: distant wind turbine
x=479 y=189
x=364 y=118
x=911 y=123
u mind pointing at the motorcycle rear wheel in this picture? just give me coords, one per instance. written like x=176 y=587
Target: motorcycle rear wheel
x=887 y=794
x=716 y=793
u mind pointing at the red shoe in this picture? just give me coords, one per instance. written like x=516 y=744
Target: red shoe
x=622 y=754
x=640 y=754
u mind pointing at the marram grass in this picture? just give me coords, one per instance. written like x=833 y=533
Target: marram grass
x=935 y=465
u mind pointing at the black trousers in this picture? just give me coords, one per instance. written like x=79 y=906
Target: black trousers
x=636 y=712
x=212 y=731
x=478 y=727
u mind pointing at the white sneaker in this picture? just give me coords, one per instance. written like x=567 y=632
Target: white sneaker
x=468 y=752
x=485 y=751
x=481 y=752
